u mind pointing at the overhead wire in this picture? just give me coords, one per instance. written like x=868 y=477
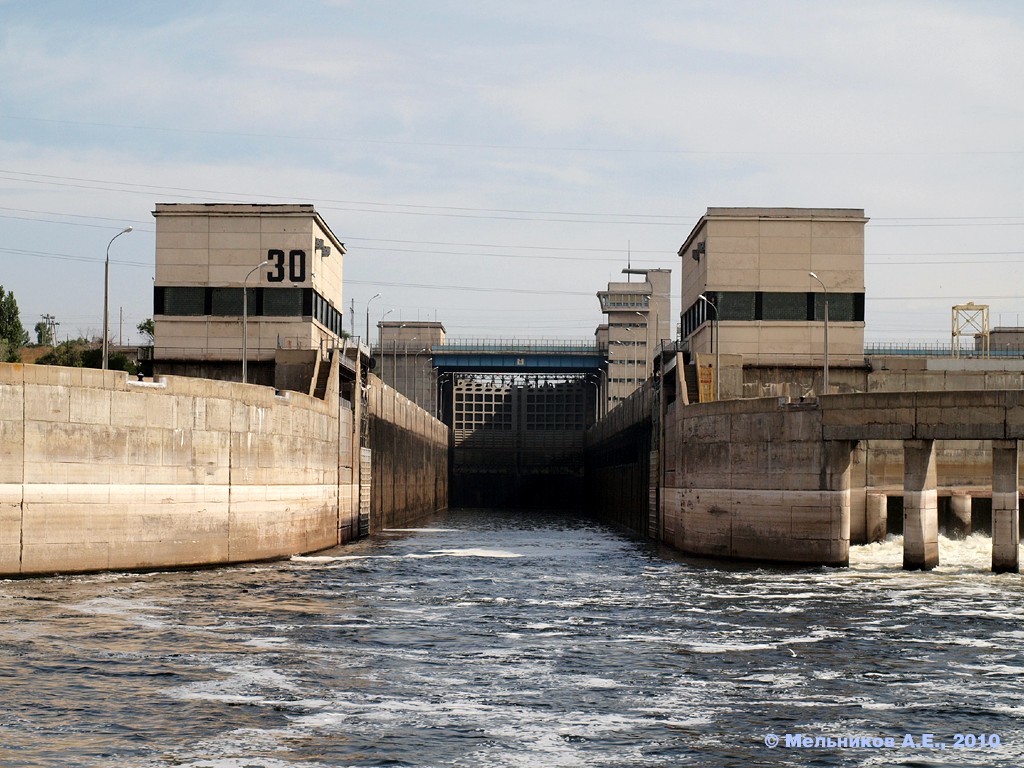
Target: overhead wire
x=586 y=217
x=513 y=147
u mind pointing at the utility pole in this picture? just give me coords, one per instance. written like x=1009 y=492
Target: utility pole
x=51 y=326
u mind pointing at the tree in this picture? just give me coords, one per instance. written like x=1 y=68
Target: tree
x=80 y=353
x=68 y=354
x=13 y=335
x=44 y=334
x=147 y=328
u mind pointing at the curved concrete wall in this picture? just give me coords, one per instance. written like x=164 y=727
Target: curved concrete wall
x=100 y=472
x=753 y=479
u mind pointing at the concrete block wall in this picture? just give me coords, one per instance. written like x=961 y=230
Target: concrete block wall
x=101 y=472
x=617 y=463
x=409 y=448
x=753 y=479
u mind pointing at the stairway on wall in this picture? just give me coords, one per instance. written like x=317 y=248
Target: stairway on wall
x=323 y=374
x=692 y=381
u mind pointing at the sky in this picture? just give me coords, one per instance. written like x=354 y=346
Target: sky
x=492 y=165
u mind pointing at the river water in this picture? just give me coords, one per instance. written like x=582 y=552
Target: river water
x=511 y=639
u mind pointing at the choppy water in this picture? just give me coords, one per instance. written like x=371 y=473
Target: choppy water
x=515 y=640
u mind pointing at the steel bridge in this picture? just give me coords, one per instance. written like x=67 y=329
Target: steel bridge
x=518 y=356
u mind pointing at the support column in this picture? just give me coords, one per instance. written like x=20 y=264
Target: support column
x=876 y=517
x=1005 y=503
x=839 y=460
x=920 y=506
x=960 y=508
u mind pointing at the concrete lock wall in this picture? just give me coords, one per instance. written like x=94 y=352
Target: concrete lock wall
x=101 y=472
x=746 y=479
x=409 y=459
x=618 y=468
x=753 y=479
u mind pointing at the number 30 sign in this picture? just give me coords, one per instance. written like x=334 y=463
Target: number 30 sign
x=296 y=262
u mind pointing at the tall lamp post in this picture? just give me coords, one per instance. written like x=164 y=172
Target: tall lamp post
x=715 y=340
x=825 y=379
x=106 y=296
x=245 y=321
x=375 y=296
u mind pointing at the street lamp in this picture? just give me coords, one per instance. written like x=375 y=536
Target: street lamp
x=825 y=382
x=106 y=296
x=375 y=296
x=245 y=321
x=715 y=341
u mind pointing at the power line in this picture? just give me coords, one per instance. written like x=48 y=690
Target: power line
x=512 y=147
x=476 y=289
x=330 y=204
x=71 y=257
x=511 y=255
x=501 y=245
x=583 y=217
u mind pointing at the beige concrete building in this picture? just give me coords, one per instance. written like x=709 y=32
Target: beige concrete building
x=639 y=318
x=753 y=265
x=286 y=257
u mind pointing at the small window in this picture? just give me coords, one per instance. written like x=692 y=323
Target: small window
x=282 y=302
x=785 y=306
x=228 y=301
x=735 y=305
x=184 y=301
x=841 y=307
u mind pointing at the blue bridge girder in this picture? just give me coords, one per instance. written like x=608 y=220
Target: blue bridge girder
x=490 y=356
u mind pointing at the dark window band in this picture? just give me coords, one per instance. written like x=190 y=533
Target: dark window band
x=775 y=306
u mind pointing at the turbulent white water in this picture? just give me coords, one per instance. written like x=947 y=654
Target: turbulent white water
x=492 y=639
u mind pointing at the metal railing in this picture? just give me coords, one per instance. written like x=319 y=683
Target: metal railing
x=584 y=346
x=256 y=351
x=935 y=349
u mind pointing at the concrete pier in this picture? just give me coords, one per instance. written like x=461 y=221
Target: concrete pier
x=1005 y=503
x=875 y=516
x=920 y=506
x=960 y=509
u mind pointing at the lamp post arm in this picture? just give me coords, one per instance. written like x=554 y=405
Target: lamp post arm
x=106 y=298
x=716 y=342
x=245 y=321
x=824 y=381
x=375 y=296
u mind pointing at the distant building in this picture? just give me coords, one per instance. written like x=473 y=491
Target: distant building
x=288 y=260
x=1002 y=341
x=403 y=359
x=638 y=320
x=753 y=265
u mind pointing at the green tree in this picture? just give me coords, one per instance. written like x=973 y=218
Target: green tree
x=68 y=354
x=79 y=353
x=13 y=335
x=147 y=328
x=44 y=334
